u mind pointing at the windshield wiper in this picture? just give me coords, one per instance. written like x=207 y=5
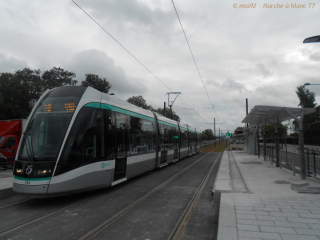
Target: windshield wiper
x=28 y=143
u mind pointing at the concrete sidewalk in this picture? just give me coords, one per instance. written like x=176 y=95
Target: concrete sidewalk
x=257 y=201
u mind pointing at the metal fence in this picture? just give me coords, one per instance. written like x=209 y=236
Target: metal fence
x=289 y=158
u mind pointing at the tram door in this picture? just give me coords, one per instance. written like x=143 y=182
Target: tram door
x=120 y=171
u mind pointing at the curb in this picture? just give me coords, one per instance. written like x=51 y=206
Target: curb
x=227 y=226
x=222 y=183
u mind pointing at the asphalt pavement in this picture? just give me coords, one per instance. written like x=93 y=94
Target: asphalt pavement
x=154 y=218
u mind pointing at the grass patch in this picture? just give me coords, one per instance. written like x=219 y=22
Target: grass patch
x=217 y=148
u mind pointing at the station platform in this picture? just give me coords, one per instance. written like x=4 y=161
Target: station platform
x=260 y=201
x=6 y=181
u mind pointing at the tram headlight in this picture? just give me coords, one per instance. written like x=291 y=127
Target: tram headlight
x=44 y=172
x=19 y=171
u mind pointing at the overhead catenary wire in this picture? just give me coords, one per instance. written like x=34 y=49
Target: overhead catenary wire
x=193 y=57
x=132 y=55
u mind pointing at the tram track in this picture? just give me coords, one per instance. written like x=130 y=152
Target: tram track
x=181 y=224
x=183 y=219
x=16 y=203
x=32 y=220
x=106 y=223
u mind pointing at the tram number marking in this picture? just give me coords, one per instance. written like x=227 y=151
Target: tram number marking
x=27 y=182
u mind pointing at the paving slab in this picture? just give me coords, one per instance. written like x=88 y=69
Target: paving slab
x=271 y=210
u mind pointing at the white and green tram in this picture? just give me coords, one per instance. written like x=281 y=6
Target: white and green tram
x=78 y=139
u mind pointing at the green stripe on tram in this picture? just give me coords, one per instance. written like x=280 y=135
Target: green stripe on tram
x=119 y=110
x=94 y=105
x=31 y=179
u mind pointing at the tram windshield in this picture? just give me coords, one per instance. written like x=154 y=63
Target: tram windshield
x=47 y=127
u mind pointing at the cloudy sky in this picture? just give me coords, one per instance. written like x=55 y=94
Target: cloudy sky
x=255 y=53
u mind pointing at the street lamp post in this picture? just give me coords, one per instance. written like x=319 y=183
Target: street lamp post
x=312 y=39
x=308 y=84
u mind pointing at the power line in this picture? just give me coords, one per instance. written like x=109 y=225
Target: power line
x=193 y=56
x=132 y=55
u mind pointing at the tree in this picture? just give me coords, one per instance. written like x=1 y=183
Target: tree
x=15 y=97
x=168 y=112
x=18 y=88
x=208 y=133
x=282 y=130
x=140 y=102
x=307 y=100
x=31 y=79
x=57 y=77
x=100 y=84
x=204 y=136
x=310 y=121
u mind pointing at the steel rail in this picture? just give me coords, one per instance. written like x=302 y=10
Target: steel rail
x=120 y=214
x=15 y=203
x=182 y=222
x=32 y=220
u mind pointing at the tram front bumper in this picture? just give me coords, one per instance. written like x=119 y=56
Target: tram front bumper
x=39 y=191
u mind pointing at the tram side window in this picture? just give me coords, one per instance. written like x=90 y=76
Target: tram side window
x=164 y=137
x=121 y=130
x=174 y=137
x=198 y=139
x=170 y=137
x=142 y=137
x=193 y=139
x=184 y=138
x=110 y=135
x=84 y=143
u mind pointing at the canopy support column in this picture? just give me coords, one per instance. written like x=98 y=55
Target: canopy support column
x=277 y=141
x=301 y=143
x=264 y=140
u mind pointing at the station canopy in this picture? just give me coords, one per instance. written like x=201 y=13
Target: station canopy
x=271 y=114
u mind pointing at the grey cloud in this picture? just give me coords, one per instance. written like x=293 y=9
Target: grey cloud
x=315 y=57
x=212 y=82
x=260 y=69
x=229 y=84
x=97 y=62
x=10 y=64
x=131 y=15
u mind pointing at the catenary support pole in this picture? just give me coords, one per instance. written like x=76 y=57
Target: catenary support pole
x=214 y=127
x=165 y=110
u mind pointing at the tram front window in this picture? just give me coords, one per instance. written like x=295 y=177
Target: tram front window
x=47 y=128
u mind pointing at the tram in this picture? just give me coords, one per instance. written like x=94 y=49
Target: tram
x=79 y=139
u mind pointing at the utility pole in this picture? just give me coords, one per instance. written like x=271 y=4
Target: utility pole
x=165 y=110
x=170 y=103
x=214 y=127
x=247 y=109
